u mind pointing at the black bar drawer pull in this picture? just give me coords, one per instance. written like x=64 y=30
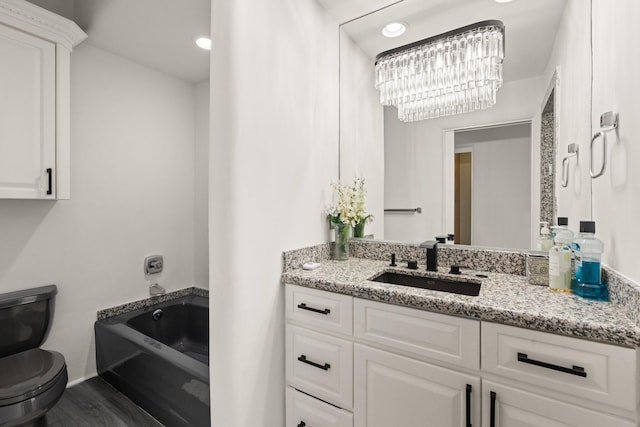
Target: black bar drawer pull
x=303 y=306
x=302 y=424
x=302 y=358
x=492 y=418
x=469 y=405
x=50 y=188
x=574 y=370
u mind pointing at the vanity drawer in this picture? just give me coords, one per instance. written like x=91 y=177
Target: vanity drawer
x=304 y=410
x=589 y=370
x=437 y=336
x=319 y=309
x=320 y=365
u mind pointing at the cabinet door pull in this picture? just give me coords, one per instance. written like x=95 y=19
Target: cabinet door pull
x=302 y=358
x=303 y=306
x=50 y=187
x=492 y=416
x=574 y=370
x=469 y=405
x=302 y=424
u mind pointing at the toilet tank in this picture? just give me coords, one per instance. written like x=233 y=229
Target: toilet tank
x=25 y=317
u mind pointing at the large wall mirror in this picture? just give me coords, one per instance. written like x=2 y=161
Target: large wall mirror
x=487 y=176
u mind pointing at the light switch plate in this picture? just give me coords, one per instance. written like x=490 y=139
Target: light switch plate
x=153 y=264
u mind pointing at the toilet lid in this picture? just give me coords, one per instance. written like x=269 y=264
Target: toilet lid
x=27 y=374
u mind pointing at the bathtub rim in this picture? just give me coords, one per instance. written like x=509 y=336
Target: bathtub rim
x=192 y=299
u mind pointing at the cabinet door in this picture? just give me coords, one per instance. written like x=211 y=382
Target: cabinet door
x=505 y=406
x=27 y=116
x=392 y=390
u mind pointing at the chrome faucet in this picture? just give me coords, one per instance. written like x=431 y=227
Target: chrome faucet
x=432 y=254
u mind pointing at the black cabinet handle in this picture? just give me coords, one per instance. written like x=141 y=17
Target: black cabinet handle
x=574 y=370
x=303 y=306
x=302 y=358
x=469 y=405
x=492 y=416
x=302 y=424
x=50 y=188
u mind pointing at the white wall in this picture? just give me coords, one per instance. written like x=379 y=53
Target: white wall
x=572 y=54
x=361 y=130
x=274 y=151
x=201 y=186
x=501 y=185
x=132 y=133
x=61 y=7
x=414 y=159
x=616 y=201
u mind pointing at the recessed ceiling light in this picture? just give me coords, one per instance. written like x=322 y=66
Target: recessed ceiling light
x=503 y=1
x=394 y=29
x=204 y=43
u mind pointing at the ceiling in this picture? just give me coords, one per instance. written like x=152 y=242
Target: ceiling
x=530 y=28
x=159 y=34
x=346 y=10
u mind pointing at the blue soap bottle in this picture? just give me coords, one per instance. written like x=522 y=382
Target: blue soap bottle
x=587 y=280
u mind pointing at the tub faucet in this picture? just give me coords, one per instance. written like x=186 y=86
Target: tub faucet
x=432 y=254
x=156 y=290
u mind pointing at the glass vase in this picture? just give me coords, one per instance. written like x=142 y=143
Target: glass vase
x=341 y=244
x=358 y=230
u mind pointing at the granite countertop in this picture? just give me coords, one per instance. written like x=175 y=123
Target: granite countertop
x=148 y=302
x=503 y=298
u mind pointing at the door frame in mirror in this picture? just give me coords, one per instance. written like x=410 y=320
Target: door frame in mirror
x=553 y=89
x=448 y=153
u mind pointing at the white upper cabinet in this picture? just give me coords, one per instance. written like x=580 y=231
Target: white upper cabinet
x=35 y=48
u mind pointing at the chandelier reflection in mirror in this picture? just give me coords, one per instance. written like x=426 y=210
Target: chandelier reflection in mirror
x=456 y=72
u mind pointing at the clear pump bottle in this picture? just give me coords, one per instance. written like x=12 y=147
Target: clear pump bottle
x=560 y=257
x=563 y=224
x=544 y=239
x=587 y=280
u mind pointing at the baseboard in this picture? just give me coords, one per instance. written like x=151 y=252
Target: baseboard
x=79 y=380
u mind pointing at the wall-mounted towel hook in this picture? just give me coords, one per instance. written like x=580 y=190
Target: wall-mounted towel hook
x=608 y=122
x=573 y=150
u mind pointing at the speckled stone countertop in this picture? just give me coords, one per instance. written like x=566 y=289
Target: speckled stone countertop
x=147 y=302
x=503 y=298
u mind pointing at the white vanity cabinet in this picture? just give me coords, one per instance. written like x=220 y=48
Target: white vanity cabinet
x=402 y=383
x=319 y=358
x=352 y=362
x=35 y=48
x=372 y=364
x=533 y=378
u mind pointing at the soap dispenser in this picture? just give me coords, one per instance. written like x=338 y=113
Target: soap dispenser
x=544 y=239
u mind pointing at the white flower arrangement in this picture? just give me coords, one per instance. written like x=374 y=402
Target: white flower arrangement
x=350 y=207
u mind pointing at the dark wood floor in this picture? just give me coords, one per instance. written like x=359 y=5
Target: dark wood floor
x=95 y=403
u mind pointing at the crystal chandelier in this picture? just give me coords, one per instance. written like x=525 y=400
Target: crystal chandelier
x=456 y=72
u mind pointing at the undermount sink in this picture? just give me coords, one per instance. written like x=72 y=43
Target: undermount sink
x=434 y=284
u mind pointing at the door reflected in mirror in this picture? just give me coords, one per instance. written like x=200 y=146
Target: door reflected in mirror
x=492 y=185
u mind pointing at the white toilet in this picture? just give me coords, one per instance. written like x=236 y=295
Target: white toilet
x=32 y=380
